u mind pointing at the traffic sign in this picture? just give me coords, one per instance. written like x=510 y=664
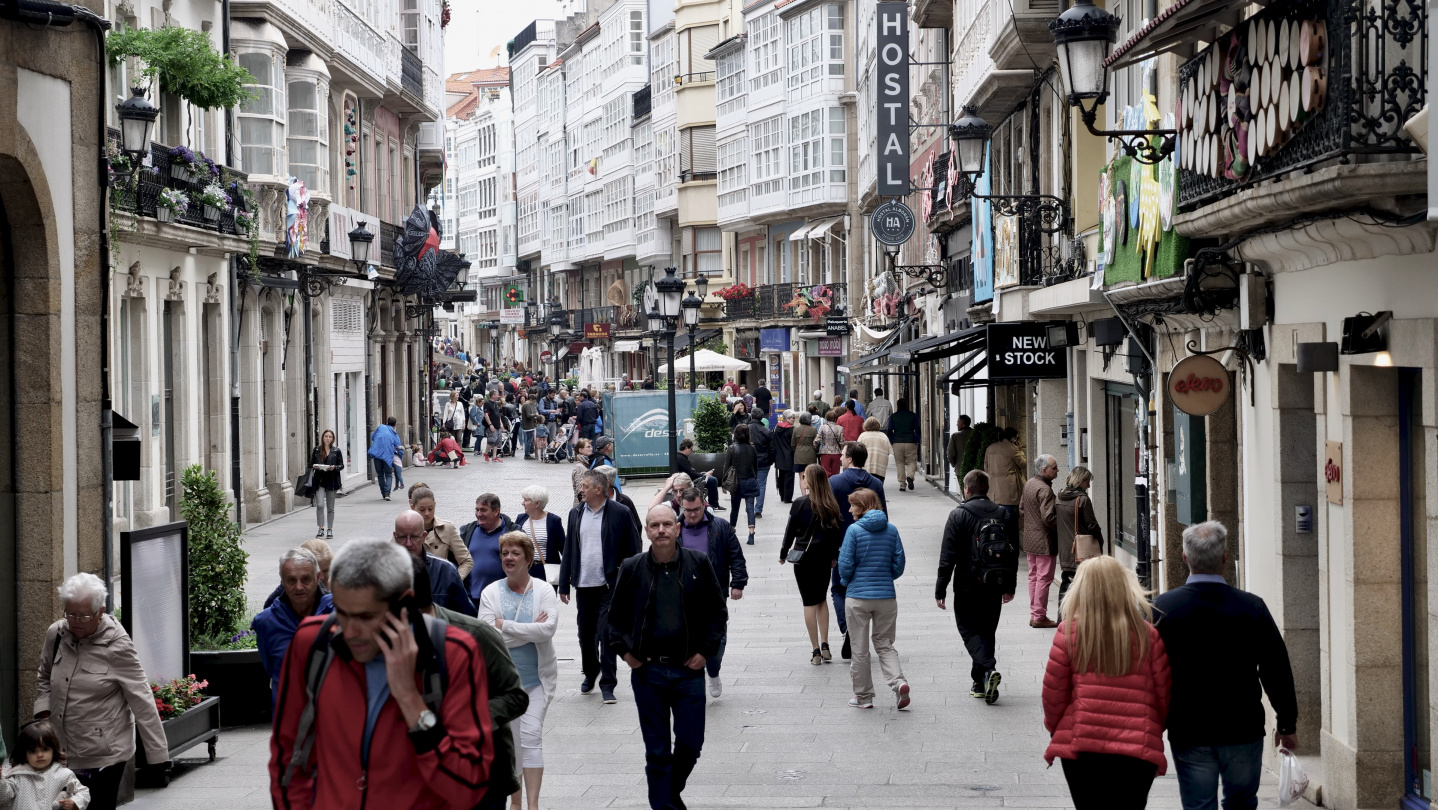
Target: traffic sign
x=892 y=223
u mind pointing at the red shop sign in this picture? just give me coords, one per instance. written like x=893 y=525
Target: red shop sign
x=1198 y=385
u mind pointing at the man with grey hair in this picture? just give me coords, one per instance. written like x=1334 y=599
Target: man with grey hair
x=303 y=597
x=1225 y=652
x=446 y=586
x=611 y=476
x=1038 y=511
x=408 y=748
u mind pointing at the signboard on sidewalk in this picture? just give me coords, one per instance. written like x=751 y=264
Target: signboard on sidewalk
x=639 y=423
x=893 y=102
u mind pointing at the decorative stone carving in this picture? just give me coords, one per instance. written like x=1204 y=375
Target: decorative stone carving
x=134 y=283
x=1336 y=240
x=213 y=291
x=177 y=287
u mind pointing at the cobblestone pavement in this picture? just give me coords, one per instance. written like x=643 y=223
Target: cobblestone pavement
x=782 y=734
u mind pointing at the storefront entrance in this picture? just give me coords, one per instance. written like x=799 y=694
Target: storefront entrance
x=1121 y=463
x=1415 y=470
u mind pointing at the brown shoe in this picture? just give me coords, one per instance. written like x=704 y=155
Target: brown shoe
x=1044 y=624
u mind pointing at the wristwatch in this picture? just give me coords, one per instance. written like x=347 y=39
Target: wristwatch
x=426 y=721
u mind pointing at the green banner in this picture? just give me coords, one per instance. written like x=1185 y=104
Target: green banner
x=638 y=421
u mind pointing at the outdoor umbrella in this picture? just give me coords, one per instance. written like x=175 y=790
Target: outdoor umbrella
x=705 y=360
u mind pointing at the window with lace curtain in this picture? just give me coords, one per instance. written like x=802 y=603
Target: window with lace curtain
x=308 y=134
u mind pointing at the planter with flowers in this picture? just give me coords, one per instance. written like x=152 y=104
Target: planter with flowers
x=170 y=204
x=214 y=199
x=188 y=716
x=739 y=300
x=816 y=302
x=183 y=163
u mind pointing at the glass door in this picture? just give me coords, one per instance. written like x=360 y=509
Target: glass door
x=1415 y=467
x=1121 y=461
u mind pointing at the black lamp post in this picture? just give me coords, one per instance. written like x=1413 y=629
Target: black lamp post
x=970 y=135
x=671 y=299
x=1083 y=35
x=360 y=240
x=692 y=303
x=137 y=115
x=656 y=331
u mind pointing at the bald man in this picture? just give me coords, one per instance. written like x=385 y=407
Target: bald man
x=444 y=582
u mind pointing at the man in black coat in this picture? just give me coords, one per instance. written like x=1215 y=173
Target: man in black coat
x=588 y=413
x=600 y=536
x=763 y=442
x=977 y=604
x=1225 y=652
x=782 y=442
x=714 y=536
x=666 y=620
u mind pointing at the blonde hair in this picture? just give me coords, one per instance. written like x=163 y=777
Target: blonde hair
x=1106 y=616
x=521 y=539
x=320 y=549
x=871 y=425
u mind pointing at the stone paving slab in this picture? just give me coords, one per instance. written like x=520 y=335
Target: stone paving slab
x=782 y=735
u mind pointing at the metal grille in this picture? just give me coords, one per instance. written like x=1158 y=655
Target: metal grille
x=346 y=316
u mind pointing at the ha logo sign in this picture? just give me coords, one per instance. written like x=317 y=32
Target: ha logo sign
x=1021 y=351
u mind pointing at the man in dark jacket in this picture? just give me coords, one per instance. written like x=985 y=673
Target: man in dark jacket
x=763 y=442
x=302 y=597
x=666 y=620
x=763 y=399
x=446 y=588
x=599 y=537
x=1217 y=634
x=588 y=414
x=852 y=475
x=507 y=699
x=782 y=442
x=686 y=466
x=977 y=604
x=904 y=430
x=714 y=536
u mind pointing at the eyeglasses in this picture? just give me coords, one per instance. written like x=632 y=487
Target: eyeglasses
x=79 y=617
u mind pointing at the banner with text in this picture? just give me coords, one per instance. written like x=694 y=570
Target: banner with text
x=892 y=107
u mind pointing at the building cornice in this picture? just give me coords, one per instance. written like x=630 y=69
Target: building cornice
x=729 y=45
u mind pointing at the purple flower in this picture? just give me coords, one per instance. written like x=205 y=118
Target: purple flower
x=182 y=154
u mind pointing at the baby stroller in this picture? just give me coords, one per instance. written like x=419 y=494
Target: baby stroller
x=557 y=447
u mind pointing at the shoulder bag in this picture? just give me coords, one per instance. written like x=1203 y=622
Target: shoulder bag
x=1085 y=546
x=731 y=475
x=796 y=554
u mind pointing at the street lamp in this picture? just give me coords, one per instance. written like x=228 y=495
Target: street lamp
x=360 y=240
x=671 y=293
x=137 y=114
x=1083 y=36
x=970 y=135
x=692 y=303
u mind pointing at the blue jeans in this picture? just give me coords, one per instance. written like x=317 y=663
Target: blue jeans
x=836 y=593
x=748 y=490
x=711 y=665
x=763 y=488
x=382 y=472
x=1201 y=766
x=529 y=443
x=662 y=691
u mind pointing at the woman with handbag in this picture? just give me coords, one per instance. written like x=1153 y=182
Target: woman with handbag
x=1079 y=534
x=742 y=463
x=811 y=543
x=325 y=464
x=801 y=440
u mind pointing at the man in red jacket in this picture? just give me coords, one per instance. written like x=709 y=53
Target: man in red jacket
x=374 y=742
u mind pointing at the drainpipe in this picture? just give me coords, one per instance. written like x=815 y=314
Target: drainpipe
x=1142 y=529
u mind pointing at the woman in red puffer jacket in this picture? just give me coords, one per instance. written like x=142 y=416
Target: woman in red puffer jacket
x=1106 y=690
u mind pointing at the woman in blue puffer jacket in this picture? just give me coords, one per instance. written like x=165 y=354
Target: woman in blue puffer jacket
x=870 y=559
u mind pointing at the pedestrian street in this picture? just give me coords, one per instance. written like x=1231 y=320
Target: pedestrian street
x=782 y=734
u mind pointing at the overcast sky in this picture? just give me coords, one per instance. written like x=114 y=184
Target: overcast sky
x=478 y=27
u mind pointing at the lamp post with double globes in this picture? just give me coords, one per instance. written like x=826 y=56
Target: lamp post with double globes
x=671 y=296
x=692 y=303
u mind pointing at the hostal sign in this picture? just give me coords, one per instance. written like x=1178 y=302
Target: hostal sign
x=893 y=105
x=1021 y=351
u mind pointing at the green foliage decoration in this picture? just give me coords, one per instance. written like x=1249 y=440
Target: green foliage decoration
x=711 y=425
x=984 y=435
x=217 y=562
x=185 y=63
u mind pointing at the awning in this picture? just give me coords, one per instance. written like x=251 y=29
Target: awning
x=627 y=346
x=814 y=229
x=1180 y=28
x=859 y=371
x=937 y=347
x=879 y=356
x=963 y=374
x=701 y=336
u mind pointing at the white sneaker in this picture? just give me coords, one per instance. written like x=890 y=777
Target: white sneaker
x=716 y=687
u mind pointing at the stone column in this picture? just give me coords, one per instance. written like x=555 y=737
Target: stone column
x=252 y=439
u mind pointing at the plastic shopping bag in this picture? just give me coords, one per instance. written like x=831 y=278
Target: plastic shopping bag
x=1292 y=781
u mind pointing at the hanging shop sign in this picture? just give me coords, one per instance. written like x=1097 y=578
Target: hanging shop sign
x=892 y=108
x=836 y=325
x=1021 y=351
x=892 y=223
x=1198 y=385
x=774 y=339
x=593 y=331
x=1333 y=471
x=830 y=347
x=512 y=315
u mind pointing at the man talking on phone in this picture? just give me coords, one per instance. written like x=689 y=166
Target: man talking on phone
x=387 y=726
x=666 y=619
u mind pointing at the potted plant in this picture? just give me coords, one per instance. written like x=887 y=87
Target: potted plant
x=232 y=667
x=711 y=435
x=171 y=203
x=188 y=716
x=182 y=163
x=214 y=199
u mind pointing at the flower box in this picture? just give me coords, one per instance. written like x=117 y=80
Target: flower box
x=163 y=214
x=239 y=677
x=199 y=724
x=180 y=172
x=211 y=213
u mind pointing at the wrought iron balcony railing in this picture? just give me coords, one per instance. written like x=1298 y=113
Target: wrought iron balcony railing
x=787 y=301
x=642 y=100
x=138 y=193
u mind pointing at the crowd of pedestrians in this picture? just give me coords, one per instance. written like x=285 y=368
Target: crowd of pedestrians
x=428 y=658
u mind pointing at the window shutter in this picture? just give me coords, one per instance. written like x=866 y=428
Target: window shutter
x=702 y=143
x=701 y=41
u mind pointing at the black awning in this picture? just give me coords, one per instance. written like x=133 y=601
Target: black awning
x=681 y=340
x=937 y=347
x=903 y=371
x=963 y=373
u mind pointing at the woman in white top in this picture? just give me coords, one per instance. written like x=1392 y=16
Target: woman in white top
x=545 y=528
x=526 y=612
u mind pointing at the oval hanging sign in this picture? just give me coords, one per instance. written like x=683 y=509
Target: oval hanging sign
x=1198 y=385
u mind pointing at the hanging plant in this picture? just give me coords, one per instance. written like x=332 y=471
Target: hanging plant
x=248 y=218
x=444 y=14
x=185 y=63
x=737 y=291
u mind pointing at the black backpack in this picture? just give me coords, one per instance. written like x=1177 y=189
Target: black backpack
x=993 y=556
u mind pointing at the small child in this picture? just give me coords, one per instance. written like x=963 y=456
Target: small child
x=35 y=779
x=399 y=470
x=417 y=455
